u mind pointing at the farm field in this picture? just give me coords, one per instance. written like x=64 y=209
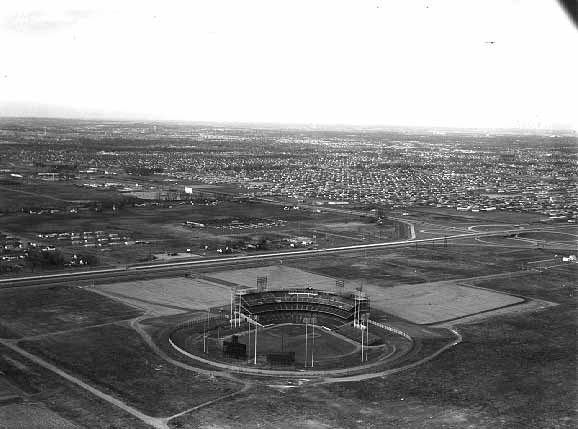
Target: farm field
x=41 y=311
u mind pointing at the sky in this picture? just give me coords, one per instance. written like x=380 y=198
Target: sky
x=454 y=63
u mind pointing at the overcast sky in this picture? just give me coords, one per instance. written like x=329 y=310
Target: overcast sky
x=478 y=63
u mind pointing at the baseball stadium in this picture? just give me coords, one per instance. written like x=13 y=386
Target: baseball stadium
x=294 y=328
x=278 y=320
x=284 y=332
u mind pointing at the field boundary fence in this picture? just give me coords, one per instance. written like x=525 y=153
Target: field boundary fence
x=391 y=329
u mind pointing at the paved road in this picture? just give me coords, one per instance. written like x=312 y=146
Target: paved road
x=160 y=268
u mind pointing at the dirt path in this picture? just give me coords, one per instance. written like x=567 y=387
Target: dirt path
x=387 y=372
x=152 y=421
x=135 y=324
x=66 y=331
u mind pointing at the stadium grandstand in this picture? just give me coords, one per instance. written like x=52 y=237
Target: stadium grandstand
x=268 y=307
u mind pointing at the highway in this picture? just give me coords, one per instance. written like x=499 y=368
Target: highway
x=130 y=272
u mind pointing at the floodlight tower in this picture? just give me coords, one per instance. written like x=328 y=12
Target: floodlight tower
x=313 y=345
x=305 y=342
x=231 y=314
x=256 y=330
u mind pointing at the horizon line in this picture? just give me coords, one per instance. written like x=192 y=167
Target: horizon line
x=312 y=126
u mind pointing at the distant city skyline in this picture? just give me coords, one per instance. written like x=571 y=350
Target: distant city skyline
x=454 y=64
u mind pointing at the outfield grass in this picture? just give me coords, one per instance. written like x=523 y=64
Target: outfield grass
x=26 y=312
x=115 y=359
x=325 y=345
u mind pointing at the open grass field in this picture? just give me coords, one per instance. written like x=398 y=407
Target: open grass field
x=489 y=228
x=554 y=236
x=423 y=264
x=436 y=302
x=325 y=345
x=13 y=199
x=29 y=312
x=558 y=284
x=7 y=391
x=169 y=295
x=63 y=191
x=278 y=277
x=452 y=217
x=509 y=372
x=500 y=240
x=59 y=397
x=32 y=416
x=115 y=359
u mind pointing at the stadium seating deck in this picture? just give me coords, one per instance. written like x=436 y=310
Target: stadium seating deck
x=283 y=303
x=298 y=317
